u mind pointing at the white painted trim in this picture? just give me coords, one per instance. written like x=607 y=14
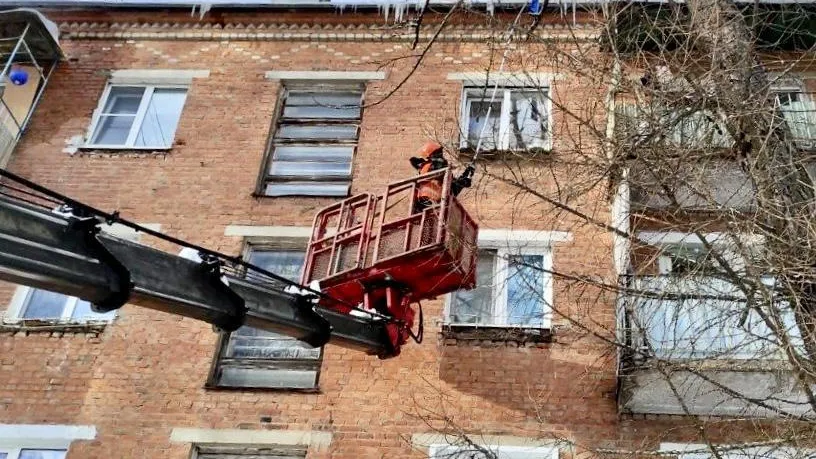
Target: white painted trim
x=156 y=76
x=505 y=78
x=500 y=238
x=323 y=75
x=427 y=439
x=268 y=231
x=43 y=436
x=677 y=237
x=311 y=438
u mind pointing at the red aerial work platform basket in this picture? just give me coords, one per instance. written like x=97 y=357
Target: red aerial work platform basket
x=385 y=253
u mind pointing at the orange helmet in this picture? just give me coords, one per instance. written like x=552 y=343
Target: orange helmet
x=429 y=149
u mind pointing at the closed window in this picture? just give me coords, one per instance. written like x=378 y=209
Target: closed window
x=250 y=357
x=512 y=289
x=314 y=142
x=515 y=119
x=248 y=452
x=140 y=117
x=37 y=304
x=19 y=453
x=799 y=112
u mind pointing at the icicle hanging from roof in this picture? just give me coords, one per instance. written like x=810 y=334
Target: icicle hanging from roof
x=399 y=7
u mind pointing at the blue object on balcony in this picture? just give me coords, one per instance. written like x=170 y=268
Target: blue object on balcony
x=535 y=7
x=18 y=76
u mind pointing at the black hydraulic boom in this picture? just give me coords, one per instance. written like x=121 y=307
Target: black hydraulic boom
x=67 y=253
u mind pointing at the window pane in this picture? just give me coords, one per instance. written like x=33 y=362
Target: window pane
x=317 y=132
x=528 y=120
x=252 y=343
x=113 y=130
x=161 y=118
x=260 y=377
x=310 y=169
x=285 y=263
x=476 y=306
x=525 y=289
x=123 y=100
x=321 y=112
x=42 y=454
x=83 y=311
x=309 y=153
x=478 y=118
x=43 y=304
x=331 y=99
x=307 y=189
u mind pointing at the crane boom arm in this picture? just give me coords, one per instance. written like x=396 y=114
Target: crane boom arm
x=67 y=254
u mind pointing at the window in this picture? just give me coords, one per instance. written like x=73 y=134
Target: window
x=248 y=452
x=694 y=130
x=687 y=259
x=250 y=357
x=19 y=453
x=497 y=452
x=314 y=142
x=512 y=289
x=799 y=112
x=36 y=304
x=139 y=117
x=516 y=119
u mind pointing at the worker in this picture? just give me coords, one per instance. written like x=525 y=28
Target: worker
x=429 y=192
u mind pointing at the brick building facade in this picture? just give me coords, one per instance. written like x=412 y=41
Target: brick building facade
x=211 y=167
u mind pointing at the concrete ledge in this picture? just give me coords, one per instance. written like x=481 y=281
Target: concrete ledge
x=156 y=76
x=505 y=78
x=268 y=231
x=425 y=440
x=311 y=438
x=498 y=238
x=324 y=76
x=57 y=436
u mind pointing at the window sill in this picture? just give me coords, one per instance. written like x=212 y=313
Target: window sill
x=120 y=151
x=531 y=153
x=492 y=335
x=58 y=327
x=297 y=390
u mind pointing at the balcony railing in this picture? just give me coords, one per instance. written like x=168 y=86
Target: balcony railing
x=684 y=317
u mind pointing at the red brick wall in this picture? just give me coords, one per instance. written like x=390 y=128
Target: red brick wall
x=145 y=374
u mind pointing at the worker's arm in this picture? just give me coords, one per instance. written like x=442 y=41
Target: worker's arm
x=463 y=181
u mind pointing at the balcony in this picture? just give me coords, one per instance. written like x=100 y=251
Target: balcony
x=29 y=53
x=694 y=344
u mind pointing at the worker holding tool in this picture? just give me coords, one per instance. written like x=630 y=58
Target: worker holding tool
x=429 y=158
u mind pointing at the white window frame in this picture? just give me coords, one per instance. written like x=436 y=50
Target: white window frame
x=508 y=243
x=14 y=438
x=19 y=301
x=147 y=95
x=534 y=452
x=503 y=94
x=14 y=453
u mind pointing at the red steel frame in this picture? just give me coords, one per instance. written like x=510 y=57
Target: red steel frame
x=364 y=252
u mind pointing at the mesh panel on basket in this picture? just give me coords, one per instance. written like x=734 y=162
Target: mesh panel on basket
x=391 y=243
x=322 y=260
x=346 y=255
x=429 y=229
